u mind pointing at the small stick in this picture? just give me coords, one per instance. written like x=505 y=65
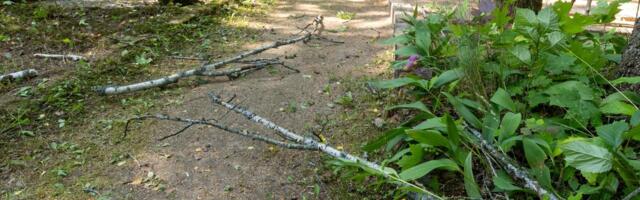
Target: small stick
x=176 y=133
x=60 y=56
x=186 y=58
x=28 y=73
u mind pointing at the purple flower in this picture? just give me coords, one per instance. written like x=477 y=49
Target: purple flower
x=411 y=62
x=486 y=6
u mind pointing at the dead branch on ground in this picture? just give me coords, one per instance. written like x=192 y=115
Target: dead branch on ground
x=513 y=169
x=291 y=139
x=210 y=68
x=19 y=74
x=60 y=56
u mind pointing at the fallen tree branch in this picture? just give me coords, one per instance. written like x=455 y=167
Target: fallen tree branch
x=632 y=194
x=244 y=133
x=513 y=169
x=60 y=56
x=208 y=67
x=329 y=150
x=19 y=74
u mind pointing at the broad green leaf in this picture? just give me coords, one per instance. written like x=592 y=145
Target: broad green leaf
x=423 y=169
x=612 y=133
x=587 y=157
x=635 y=118
x=452 y=130
x=606 y=12
x=554 y=38
x=446 y=77
x=380 y=141
x=418 y=105
x=407 y=51
x=547 y=18
x=534 y=154
x=522 y=53
x=618 y=108
x=394 y=83
x=423 y=38
x=416 y=153
x=432 y=123
x=463 y=111
x=503 y=182
x=470 y=184
x=400 y=39
x=429 y=137
x=503 y=99
x=557 y=64
x=577 y=24
x=510 y=123
x=628 y=80
x=525 y=17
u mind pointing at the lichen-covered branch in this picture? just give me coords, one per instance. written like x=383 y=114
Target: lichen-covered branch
x=327 y=149
x=19 y=74
x=513 y=169
x=202 y=69
x=191 y=122
x=60 y=56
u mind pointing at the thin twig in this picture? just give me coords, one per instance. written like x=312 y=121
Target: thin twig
x=177 y=132
x=244 y=133
x=19 y=74
x=186 y=58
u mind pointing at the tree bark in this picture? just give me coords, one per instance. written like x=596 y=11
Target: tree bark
x=630 y=63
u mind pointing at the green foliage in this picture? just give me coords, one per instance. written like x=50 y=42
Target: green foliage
x=538 y=90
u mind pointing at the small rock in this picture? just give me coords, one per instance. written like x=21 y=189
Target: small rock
x=378 y=122
x=331 y=105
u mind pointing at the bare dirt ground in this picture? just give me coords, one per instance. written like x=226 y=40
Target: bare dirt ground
x=205 y=163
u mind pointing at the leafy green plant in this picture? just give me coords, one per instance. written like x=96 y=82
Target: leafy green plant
x=535 y=85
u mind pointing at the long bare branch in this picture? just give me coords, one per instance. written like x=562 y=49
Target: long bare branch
x=202 y=69
x=28 y=73
x=327 y=149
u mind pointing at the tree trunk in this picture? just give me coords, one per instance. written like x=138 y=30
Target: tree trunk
x=630 y=63
x=534 y=5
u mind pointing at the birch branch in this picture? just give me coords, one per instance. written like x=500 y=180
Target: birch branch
x=201 y=70
x=632 y=194
x=60 y=56
x=20 y=74
x=244 y=133
x=513 y=169
x=329 y=150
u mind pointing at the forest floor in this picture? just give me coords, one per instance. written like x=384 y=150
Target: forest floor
x=62 y=141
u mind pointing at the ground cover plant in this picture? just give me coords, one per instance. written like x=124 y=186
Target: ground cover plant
x=523 y=105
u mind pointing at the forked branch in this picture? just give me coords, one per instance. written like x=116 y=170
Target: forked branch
x=202 y=70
